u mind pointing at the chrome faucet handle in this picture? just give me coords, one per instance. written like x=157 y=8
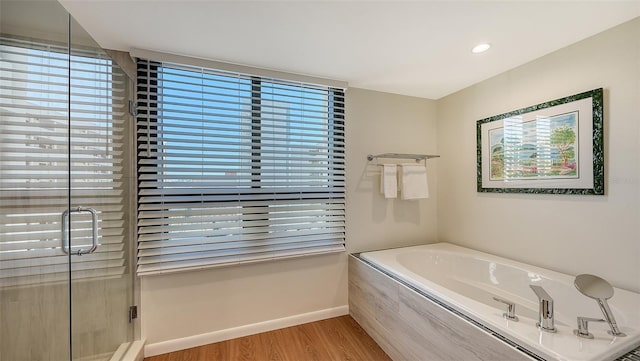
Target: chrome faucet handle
x=583 y=326
x=511 y=309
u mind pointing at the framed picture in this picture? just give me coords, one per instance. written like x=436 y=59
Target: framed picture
x=553 y=148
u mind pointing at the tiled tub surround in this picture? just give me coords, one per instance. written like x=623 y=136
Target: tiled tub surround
x=435 y=301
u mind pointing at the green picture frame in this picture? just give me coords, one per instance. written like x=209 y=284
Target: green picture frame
x=556 y=147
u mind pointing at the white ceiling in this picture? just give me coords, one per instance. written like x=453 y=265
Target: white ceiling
x=418 y=48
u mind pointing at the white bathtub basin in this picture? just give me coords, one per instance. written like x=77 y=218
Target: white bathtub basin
x=467 y=280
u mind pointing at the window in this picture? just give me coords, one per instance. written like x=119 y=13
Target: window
x=236 y=168
x=35 y=165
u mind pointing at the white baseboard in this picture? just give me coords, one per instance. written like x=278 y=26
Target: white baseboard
x=177 y=344
x=132 y=351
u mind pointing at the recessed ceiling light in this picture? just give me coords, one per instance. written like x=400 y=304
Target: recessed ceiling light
x=480 y=48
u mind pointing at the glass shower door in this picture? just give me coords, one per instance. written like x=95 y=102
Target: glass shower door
x=34 y=181
x=101 y=281
x=65 y=281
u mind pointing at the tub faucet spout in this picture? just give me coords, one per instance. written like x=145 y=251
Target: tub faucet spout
x=545 y=314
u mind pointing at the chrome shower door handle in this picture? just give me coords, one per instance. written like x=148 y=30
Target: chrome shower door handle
x=94 y=230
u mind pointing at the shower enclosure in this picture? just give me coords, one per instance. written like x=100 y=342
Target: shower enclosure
x=66 y=278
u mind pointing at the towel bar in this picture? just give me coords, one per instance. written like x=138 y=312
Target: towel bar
x=416 y=157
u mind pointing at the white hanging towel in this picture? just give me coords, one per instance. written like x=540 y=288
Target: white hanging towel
x=389 y=180
x=413 y=181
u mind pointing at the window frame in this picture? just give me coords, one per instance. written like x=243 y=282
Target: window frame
x=149 y=88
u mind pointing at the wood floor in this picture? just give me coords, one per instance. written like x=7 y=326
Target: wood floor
x=339 y=338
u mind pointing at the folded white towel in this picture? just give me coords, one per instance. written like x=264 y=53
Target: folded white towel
x=413 y=181
x=389 y=180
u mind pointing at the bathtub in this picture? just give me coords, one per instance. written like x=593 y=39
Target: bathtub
x=465 y=281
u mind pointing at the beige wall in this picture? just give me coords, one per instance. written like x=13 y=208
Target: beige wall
x=386 y=123
x=187 y=304
x=572 y=234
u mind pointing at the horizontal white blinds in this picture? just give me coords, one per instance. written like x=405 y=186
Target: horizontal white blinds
x=36 y=171
x=235 y=168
